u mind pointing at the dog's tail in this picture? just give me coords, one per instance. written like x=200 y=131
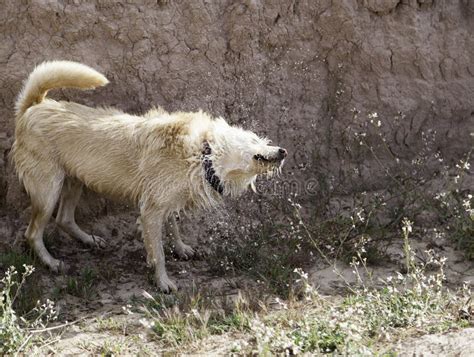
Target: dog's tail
x=56 y=74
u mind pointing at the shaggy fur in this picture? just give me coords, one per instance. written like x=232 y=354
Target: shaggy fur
x=154 y=161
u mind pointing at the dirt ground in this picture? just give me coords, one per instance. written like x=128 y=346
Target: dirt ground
x=110 y=279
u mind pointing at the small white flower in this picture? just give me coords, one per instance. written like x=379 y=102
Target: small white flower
x=146 y=323
x=127 y=309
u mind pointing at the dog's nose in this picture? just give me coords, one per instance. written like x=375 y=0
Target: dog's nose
x=282 y=153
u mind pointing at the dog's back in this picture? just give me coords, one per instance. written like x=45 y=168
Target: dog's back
x=111 y=152
x=61 y=139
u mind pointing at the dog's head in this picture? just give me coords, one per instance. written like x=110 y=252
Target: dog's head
x=239 y=156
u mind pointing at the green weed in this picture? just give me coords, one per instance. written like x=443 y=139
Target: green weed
x=19 y=332
x=82 y=286
x=27 y=297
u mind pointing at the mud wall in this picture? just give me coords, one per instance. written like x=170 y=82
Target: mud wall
x=315 y=76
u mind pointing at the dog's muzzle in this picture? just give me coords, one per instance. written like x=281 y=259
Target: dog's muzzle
x=275 y=158
x=282 y=153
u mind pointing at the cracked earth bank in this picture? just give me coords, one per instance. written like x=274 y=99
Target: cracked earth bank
x=305 y=73
x=296 y=71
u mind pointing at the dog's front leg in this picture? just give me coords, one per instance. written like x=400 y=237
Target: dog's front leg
x=183 y=250
x=152 y=222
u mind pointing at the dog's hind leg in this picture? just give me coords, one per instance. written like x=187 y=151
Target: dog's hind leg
x=65 y=219
x=183 y=250
x=44 y=191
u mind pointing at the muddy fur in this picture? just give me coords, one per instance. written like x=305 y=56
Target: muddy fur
x=153 y=161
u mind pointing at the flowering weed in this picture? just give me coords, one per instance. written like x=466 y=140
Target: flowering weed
x=17 y=333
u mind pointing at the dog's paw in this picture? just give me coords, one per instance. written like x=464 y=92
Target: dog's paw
x=166 y=285
x=184 y=251
x=58 y=266
x=98 y=242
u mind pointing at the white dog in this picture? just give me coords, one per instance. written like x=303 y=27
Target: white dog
x=163 y=162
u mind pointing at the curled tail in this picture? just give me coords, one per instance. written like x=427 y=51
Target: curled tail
x=56 y=74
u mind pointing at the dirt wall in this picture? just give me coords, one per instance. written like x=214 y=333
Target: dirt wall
x=314 y=76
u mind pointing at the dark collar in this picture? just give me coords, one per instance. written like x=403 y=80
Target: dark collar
x=209 y=172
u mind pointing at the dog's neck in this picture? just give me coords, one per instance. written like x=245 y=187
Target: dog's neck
x=209 y=171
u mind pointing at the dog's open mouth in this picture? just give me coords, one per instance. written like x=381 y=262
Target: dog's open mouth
x=277 y=157
x=263 y=159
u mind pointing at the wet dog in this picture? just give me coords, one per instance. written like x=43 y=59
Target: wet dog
x=162 y=162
